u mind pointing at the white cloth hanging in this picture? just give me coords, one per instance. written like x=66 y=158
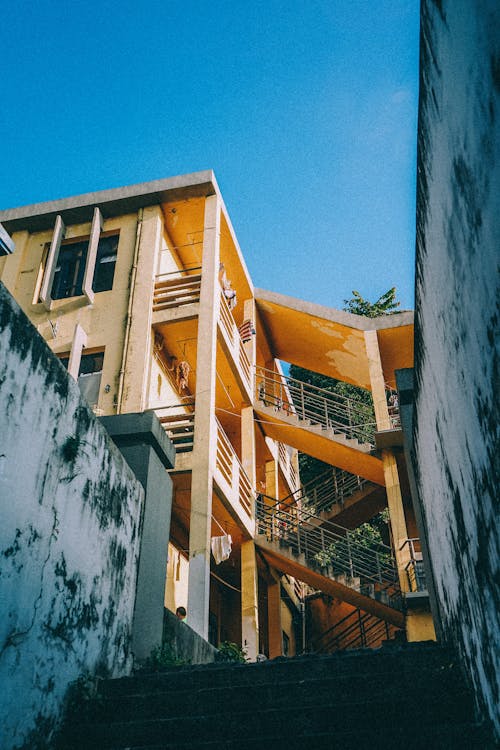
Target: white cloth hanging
x=221 y=547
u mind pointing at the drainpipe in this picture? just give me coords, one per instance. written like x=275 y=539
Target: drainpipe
x=128 y=323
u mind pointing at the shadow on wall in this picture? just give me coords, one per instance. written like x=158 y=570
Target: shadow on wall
x=69 y=538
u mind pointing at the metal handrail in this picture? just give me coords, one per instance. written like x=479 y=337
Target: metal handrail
x=330 y=546
x=415 y=571
x=356 y=629
x=315 y=405
x=331 y=487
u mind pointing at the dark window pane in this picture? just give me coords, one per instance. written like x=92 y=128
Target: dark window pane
x=68 y=277
x=91 y=363
x=105 y=263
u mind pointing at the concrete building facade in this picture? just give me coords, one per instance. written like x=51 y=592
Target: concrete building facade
x=144 y=295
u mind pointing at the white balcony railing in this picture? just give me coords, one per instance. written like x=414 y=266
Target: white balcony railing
x=234 y=342
x=238 y=486
x=173 y=290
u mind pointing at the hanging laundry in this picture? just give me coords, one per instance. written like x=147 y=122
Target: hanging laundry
x=221 y=547
x=182 y=375
x=246 y=331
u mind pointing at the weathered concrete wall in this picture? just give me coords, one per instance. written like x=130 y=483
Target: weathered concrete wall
x=457 y=325
x=69 y=537
x=184 y=643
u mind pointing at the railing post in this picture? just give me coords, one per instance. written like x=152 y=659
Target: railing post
x=351 y=567
x=302 y=400
x=379 y=570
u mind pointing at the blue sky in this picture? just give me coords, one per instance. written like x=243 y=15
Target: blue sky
x=306 y=111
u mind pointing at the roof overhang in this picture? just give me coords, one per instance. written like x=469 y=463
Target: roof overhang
x=118 y=201
x=332 y=342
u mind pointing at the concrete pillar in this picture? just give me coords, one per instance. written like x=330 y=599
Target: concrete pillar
x=274 y=619
x=205 y=434
x=272 y=479
x=249 y=601
x=147 y=450
x=138 y=356
x=249 y=313
x=391 y=476
x=248 y=443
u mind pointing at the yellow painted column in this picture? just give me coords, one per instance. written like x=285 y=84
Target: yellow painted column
x=250 y=346
x=139 y=344
x=249 y=601
x=274 y=619
x=249 y=575
x=272 y=492
x=248 y=443
x=419 y=625
x=272 y=479
x=391 y=476
x=205 y=434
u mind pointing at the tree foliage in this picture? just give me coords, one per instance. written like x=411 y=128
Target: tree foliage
x=385 y=305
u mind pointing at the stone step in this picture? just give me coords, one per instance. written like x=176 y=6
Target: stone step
x=405 y=659
x=341 y=690
x=468 y=736
x=256 y=722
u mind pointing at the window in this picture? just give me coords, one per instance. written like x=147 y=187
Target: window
x=89 y=375
x=286 y=643
x=70 y=268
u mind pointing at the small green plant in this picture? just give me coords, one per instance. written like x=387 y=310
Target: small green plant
x=162 y=657
x=229 y=651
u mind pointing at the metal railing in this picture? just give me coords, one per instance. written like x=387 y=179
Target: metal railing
x=331 y=487
x=414 y=568
x=332 y=411
x=229 y=465
x=357 y=629
x=174 y=290
x=342 y=554
x=393 y=406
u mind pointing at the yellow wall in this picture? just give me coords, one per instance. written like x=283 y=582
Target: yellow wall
x=176 y=588
x=103 y=321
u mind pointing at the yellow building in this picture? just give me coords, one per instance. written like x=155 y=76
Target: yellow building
x=145 y=293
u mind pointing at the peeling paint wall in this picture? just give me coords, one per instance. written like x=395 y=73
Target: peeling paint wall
x=69 y=537
x=457 y=326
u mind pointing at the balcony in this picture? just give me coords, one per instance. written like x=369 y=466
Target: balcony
x=233 y=482
x=229 y=476
x=176 y=296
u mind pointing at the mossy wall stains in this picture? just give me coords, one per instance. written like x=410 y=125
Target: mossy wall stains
x=69 y=537
x=457 y=326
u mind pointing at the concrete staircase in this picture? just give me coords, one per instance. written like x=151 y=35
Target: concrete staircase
x=332 y=447
x=286 y=560
x=412 y=697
